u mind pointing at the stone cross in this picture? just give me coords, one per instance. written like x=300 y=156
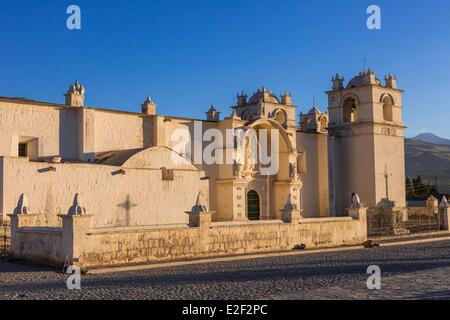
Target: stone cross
x=387 y=174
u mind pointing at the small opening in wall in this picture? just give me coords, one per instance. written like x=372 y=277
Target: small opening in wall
x=23 y=150
x=167 y=174
x=253 y=206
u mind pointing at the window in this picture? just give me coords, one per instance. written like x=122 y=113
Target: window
x=167 y=174
x=23 y=150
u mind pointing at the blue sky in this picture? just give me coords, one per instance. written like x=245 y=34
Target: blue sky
x=190 y=54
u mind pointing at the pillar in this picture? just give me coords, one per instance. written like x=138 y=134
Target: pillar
x=444 y=211
x=74 y=240
x=290 y=212
x=18 y=221
x=200 y=219
x=75 y=225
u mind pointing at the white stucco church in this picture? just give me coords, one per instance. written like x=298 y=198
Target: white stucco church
x=120 y=164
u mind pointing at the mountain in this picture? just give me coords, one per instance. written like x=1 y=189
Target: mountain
x=431 y=138
x=431 y=161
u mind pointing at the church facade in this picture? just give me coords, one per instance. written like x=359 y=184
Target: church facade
x=121 y=164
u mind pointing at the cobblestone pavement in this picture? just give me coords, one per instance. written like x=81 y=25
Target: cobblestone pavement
x=420 y=271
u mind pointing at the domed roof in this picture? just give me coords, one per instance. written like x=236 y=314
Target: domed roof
x=263 y=95
x=360 y=80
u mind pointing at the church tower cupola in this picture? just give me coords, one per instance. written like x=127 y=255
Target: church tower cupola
x=75 y=95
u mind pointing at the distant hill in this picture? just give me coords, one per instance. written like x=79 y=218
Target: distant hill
x=431 y=138
x=430 y=160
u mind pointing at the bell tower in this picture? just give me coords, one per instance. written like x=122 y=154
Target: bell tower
x=366 y=142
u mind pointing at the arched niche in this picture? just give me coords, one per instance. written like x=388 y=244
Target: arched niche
x=388 y=107
x=253 y=205
x=349 y=110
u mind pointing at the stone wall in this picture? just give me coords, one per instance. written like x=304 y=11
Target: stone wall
x=94 y=247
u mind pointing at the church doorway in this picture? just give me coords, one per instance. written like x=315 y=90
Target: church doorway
x=253 y=206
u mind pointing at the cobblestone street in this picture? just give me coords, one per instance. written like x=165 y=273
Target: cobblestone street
x=419 y=271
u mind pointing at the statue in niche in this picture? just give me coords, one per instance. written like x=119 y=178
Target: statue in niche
x=237 y=168
x=293 y=174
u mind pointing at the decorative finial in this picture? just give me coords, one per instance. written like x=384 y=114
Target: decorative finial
x=444 y=203
x=289 y=206
x=77 y=209
x=234 y=114
x=22 y=206
x=76 y=88
x=200 y=205
x=356 y=202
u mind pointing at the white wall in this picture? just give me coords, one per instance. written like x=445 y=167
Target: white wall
x=315 y=180
x=103 y=192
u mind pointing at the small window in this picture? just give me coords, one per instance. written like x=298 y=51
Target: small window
x=167 y=174
x=23 y=150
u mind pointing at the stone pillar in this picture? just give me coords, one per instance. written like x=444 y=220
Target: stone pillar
x=148 y=107
x=21 y=218
x=200 y=219
x=75 y=225
x=358 y=213
x=18 y=221
x=290 y=212
x=74 y=239
x=432 y=205
x=75 y=95
x=396 y=216
x=357 y=210
x=200 y=216
x=444 y=211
